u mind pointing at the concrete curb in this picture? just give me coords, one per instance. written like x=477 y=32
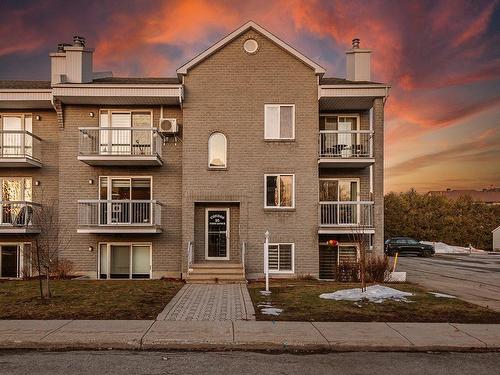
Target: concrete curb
x=248 y=336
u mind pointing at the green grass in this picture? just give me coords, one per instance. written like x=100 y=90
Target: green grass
x=300 y=301
x=87 y=299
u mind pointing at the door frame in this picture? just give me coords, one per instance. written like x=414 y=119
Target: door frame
x=228 y=230
x=19 y=258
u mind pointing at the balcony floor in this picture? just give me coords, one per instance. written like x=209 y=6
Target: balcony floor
x=7 y=229
x=345 y=230
x=111 y=229
x=339 y=162
x=19 y=162
x=121 y=160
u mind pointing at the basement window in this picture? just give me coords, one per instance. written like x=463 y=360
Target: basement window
x=281 y=258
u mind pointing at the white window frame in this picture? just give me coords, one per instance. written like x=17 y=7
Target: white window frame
x=266 y=106
x=225 y=151
x=279 y=192
x=354 y=179
x=228 y=232
x=23 y=116
x=109 y=197
x=274 y=271
x=108 y=258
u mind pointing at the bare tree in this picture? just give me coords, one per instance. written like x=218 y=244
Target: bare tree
x=54 y=237
x=360 y=237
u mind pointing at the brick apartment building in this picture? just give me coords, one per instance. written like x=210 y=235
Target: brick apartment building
x=182 y=176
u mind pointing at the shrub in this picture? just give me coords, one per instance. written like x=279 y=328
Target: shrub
x=63 y=269
x=376 y=268
x=348 y=271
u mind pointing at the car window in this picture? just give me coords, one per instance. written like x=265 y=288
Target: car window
x=411 y=241
x=401 y=241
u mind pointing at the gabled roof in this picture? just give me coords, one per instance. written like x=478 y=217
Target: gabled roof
x=319 y=70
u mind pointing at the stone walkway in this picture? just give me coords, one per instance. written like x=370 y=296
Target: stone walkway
x=212 y=302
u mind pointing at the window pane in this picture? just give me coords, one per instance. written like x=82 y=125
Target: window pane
x=103 y=259
x=12 y=190
x=286 y=191
x=141 y=119
x=271 y=191
x=12 y=123
x=140 y=261
x=141 y=189
x=9 y=261
x=28 y=189
x=354 y=190
x=347 y=254
x=345 y=190
x=119 y=120
x=285 y=257
x=120 y=262
x=272 y=122
x=286 y=122
x=328 y=190
x=103 y=194
x=217 y=150
x=273 y=258
x=120 y=189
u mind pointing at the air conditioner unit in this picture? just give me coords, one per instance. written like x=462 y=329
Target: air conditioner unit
x=168 y=125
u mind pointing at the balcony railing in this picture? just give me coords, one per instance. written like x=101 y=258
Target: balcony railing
x=19 y=144
x=18 y=216
x=120 y=143
x=346 y=214
x=119 y=213
x=345 y=144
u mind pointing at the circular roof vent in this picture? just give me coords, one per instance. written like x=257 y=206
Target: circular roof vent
x=251 y=46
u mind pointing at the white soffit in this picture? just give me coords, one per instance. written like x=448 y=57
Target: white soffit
x=250 y=25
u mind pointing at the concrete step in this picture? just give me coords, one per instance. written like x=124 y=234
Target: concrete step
x=211 y=273
x=216 y=265
x=216 y=271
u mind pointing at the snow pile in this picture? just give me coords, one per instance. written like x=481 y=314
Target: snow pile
x=442 y=248
x=267 y=309
x=373 y=293
x=442 y=295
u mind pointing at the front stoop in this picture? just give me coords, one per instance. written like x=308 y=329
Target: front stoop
x=216 y=273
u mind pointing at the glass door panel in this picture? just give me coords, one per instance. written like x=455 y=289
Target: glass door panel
x=119 y=262
x=103 y=261
x=12 y=136
x=120 y=138
x=217 y=234
x=141 y=262
x=9 y=260
x=120 y=211
x=142 y=136
x=141 y=191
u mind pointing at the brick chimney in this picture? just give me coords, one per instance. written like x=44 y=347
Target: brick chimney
x=72 y=63
x=358 y=63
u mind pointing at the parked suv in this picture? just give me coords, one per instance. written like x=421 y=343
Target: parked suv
x=406 y=245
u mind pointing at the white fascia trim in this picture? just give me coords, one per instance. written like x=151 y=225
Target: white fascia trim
x=318 y=69
x=117 y=85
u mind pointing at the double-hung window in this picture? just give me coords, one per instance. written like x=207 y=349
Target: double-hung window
x=281 y=258
x=279 y=121
x=279 y=191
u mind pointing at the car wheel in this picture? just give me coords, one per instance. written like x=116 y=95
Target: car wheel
x=426 y=253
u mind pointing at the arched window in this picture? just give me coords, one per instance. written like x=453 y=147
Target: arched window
x=217 y=151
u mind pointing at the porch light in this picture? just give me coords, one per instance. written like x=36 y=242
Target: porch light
x=91 y=114
x=91 y=248
x=37 y=183
x=38 y=117
x=91 y=182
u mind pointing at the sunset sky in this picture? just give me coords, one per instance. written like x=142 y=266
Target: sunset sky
x=442 y=59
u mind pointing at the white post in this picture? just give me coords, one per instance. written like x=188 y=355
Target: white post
x=266 y=260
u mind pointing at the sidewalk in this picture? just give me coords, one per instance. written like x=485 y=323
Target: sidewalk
x=247 y=335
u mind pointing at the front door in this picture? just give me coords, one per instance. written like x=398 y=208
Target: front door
x=217 y=234
x=9 y=261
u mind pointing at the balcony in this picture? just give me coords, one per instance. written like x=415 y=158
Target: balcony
x=346 y=217
x=19 y=217
x=20 y=149
x=119 y=216
x=120 y=146
x=353 y=148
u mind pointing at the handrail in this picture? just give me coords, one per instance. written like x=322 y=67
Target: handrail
x=125 y=212
x=189 y=255
x=347 y=131
x=21 y=132
x=346 y=213
x=243 y=254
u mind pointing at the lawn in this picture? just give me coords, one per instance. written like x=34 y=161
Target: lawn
x=300 y=301
x=87 y=299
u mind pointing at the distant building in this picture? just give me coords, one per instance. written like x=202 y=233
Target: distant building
x=489 y=196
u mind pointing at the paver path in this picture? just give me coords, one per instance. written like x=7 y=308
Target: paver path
x=210 y=302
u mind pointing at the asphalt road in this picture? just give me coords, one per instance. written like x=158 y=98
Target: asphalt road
x=473 y=278
x=185 y=363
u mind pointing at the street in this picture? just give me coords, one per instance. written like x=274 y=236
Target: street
x=185 y=363
x=474 y=278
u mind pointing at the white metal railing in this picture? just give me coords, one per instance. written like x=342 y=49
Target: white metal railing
x=20 y=143
x=19 y=213
x=190 y=255
x=243 y=254
x=119 y=212
x=345 y=144
x=354 y=213
x=120 y=141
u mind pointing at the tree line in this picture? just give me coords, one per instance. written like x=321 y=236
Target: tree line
x=426 y=217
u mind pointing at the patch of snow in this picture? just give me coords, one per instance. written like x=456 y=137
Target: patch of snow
x=443 y=248
x=373 y=293
x=271 y=311
x=442 y=295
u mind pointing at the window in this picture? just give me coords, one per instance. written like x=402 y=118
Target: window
x=14 y=142
x=338 y=190
x=279 y=121
x=281 y=258
x=279 y=191
x=217 y=151
x=124 y=261
x=125 y=132
x=125 y=200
